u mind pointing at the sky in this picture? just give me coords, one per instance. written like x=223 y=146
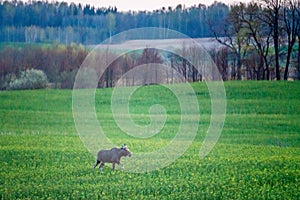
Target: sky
x=141 y=5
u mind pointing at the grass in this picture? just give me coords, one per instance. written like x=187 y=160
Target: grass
x=22 y=45
x=256 y=157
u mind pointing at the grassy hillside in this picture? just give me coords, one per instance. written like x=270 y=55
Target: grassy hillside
x=256 y=157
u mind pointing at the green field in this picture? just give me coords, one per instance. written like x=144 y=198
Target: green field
x=256 y=157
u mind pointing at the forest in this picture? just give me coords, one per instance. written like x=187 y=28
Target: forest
x=259 y=40
x=40 y=21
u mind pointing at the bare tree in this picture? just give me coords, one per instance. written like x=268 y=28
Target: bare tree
x=233 y=36
x=272 y=9
x=150 y=56
x=291 y=26
x=220 y=57
x=260 y=35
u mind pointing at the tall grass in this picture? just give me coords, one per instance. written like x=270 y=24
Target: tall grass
x=256 y=157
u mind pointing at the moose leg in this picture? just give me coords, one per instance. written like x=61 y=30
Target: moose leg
x=122 y=166
x=113 y=166
x=101 y=166
x=96 y=163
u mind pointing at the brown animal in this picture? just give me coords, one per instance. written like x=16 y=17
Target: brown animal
x=113 y=156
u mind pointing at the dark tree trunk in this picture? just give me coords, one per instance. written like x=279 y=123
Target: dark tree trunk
x=111 y=78
x=107 y=79
x=184 y=69
x=239 y=67
x=291 y=27
x=260 y=70
x=267 y=68
x=298 y=57
x=286 y=70
x=276 y=47
x=195 y=74
x=268 y=72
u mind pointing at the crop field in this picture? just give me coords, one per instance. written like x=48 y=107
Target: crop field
x=257 y=155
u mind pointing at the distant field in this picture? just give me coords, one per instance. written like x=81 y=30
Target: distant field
x=23 y=45
x=256 y=157
x=206 y=43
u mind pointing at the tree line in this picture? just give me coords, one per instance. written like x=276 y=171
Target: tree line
x=61 y=63
x=260 y=40
x=41 y=21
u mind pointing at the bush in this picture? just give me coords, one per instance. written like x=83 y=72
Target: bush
x=4 y=81
x=29 y=79
x=67 y=79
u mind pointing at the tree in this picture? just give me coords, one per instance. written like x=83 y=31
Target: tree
x=150 y=56
x=55 y=19
x=291 y=26
x=272 y=9
x=260 y=35
x=111 y=23
x=220 y=57
x=233 y=35
x=179 y=17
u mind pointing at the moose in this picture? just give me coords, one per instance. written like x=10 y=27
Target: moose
x=113 y=156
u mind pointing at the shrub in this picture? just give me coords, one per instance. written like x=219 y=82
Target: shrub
x=29 y=79
x=4 y=81
x=67 y=79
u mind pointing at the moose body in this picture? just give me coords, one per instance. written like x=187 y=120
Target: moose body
x=113 y=156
